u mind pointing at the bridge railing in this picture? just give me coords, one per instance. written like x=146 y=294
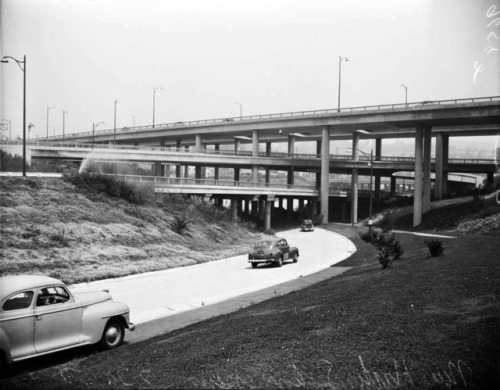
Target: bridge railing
x=292 y=114
x=246 y=153
x=159 y=181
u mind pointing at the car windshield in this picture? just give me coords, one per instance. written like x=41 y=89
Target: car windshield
x=263 y=244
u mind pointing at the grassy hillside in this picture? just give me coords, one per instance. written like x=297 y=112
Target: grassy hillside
x=81 y=233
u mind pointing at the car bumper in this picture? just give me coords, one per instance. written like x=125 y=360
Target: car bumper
x=262 y=261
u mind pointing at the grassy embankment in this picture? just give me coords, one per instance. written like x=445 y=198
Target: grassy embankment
x=424 y=322
x=79 y=233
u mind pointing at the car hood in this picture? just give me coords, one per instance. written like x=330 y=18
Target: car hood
x=92 y=297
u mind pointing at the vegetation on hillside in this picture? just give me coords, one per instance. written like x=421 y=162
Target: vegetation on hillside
x=89 y=227
x=423 y=323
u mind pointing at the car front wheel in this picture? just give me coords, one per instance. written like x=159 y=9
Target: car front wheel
x=295 y=257
x=113 y=334
x=280 y=261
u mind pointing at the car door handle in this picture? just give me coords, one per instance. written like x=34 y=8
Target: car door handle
x=38 y=318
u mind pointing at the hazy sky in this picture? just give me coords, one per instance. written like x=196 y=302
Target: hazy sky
x=208 y=55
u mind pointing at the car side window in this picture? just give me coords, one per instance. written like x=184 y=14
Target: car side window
x=52 y=295
x=21 y=300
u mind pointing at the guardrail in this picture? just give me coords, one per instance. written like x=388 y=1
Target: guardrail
x=159 y=181
x=245 y=153
x=292 y=114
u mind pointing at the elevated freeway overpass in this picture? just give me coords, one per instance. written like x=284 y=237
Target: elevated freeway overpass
x=421 y=121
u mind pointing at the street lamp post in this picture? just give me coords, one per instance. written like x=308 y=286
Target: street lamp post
x=114 y=126
x=94 y=126
x=5 y=59
x=154 y=102
x=64 y=115
x=370 y=211
x=48 y=109
x=133 y=121
x=241 y=108
x=340 y=73
x=406 y=93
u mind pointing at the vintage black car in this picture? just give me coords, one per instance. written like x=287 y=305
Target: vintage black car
x=272 y=251
x=307 y=225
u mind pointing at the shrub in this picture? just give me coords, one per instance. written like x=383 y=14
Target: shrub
x=388 y=248
x=110 y=186
x=179 y=224
x=435 y=248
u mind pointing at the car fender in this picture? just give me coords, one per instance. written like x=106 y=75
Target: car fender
x=5 y=346
x=96 y=316
x=294 y=251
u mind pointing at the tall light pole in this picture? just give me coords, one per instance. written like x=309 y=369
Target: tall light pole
x=241 y=108
x=114 y=126
x=154 y=102
x=133 y=121
x=406 y=93
x=5 y=59
x=48 y=109
x=340 y=74
x=94 y=126
x=371 y=185
x=64 y=115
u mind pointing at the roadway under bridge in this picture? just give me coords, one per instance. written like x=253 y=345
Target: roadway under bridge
x=198 y=144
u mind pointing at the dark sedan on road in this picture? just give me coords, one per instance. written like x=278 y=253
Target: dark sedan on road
x=272 y=251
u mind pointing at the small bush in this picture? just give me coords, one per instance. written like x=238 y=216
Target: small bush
x=388 y=248
x=179 y=224
x=435 y=248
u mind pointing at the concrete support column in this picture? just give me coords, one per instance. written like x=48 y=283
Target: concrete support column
x=247 y=207
x=318 y=148
x=393 y=186
x=268 y=149
x=291 y=144
x=186 y=167
x=325 y=173
x=234 y=210
x=203 y=168
x=178 y=168
x=216 y=169
x=236 y=174
x=441 y=177
x=314 y=208
x=159 y=169
x=268 y=176
x=162 y=142
x=301 y=204
x=255 y=153
x=417 y=202
x=268 y=211
x=426 y=205
x=237 y=144
x=255 y=207
x=378 y=154
x=262 y=208
x=354 y=180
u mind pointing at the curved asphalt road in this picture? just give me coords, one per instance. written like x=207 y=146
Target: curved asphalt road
x=159 y=294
